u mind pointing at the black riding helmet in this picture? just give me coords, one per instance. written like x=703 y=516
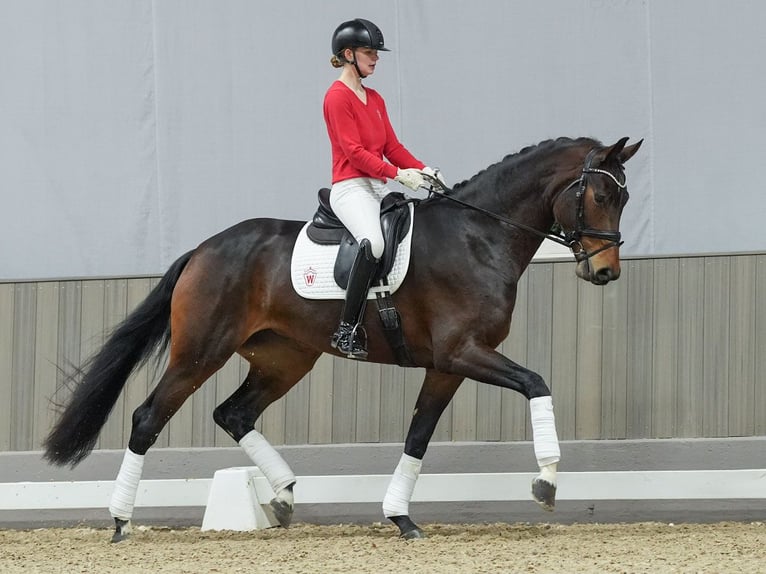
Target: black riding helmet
x=357 y=33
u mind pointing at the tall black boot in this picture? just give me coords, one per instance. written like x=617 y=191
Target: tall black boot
x=351 y=338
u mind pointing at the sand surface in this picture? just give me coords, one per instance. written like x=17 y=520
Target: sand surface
x=632 y=548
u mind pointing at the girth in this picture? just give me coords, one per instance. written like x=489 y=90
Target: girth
x=327 y=229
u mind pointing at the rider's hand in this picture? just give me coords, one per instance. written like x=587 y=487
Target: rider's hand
x=436 y=174
x=411 y=178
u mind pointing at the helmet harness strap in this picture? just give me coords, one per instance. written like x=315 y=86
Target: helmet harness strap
x=355 y=64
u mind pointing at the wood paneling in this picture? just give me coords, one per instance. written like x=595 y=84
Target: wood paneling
x=671 y=349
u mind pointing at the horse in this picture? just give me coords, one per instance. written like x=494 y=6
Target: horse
x=233 y=294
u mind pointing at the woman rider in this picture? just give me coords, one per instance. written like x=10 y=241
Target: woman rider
x=361 y=137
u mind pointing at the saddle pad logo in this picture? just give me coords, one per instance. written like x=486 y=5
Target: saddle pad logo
x=309 y=276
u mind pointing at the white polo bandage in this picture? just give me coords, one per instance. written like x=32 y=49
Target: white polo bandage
x=126 y=485
x=268 y=460
x=397 y=499
x=544 y=431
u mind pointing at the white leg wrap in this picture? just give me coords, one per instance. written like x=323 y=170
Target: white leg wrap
x=126 y=485
x=270 y=463
x=544 y=432
x=397 y=499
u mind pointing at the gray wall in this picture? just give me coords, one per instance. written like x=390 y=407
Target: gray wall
x=133 y=129
x=672 y=349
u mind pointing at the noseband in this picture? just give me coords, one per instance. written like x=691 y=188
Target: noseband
x=570 y=239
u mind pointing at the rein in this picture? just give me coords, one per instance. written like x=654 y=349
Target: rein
x=570 y=239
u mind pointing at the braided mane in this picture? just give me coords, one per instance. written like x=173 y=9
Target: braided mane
x=543 y=146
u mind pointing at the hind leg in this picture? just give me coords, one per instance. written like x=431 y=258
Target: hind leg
x=435 y=394
x=201 y=344
x=178 y=382
x=276 y=365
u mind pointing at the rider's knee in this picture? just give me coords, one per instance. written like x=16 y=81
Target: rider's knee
x=376 y=246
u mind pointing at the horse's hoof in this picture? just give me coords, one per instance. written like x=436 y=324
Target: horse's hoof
x=415 y=534
x=283 y=512
x=407 y=528
x=544 y=493
x=121 y=530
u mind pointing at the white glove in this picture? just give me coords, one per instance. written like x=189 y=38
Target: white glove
x=411 y=178
x=436 y=174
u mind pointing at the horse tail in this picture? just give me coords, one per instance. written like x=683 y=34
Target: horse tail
x=98 y=383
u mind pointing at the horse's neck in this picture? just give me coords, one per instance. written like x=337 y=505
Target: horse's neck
x=515 y=196
x=517 y=193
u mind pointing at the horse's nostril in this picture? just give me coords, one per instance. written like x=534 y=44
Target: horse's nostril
x=605 y=275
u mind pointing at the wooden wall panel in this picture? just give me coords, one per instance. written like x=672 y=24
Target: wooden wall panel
x=759 y=339
x=665 y=347
x=589 y=351
x=7 y=336
x=320 y=401
x=23 y=367
x=691 y=347
x=368 y=403
x=715 y=358
x=640 y=348
x=614 y=356
x=672 y=349
x=741 y=345
x=392 y=408
x=564 y=337
x=344 y=400
x=297 y=413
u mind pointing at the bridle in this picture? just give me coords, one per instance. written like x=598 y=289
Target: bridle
x=571 y=239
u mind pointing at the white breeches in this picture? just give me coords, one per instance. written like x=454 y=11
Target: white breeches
x=356 y=202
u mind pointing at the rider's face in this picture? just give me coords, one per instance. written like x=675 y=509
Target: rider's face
x=366 y=59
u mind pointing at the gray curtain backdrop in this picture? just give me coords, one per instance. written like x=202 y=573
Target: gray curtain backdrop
x=131 y=130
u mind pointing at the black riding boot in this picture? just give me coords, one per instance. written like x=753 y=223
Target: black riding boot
x=351 y=338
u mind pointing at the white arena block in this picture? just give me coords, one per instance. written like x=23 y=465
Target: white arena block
x=239 y=500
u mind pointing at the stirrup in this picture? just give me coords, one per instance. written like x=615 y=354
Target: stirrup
x=351 y=340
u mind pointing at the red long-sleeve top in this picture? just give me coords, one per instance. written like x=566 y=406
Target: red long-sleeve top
x=361 y=136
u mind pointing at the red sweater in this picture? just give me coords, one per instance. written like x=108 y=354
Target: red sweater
x=361 y=135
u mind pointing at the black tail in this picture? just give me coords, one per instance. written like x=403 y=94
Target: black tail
x=102 y=377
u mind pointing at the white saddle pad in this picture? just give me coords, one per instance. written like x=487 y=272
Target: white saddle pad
x=312 y=267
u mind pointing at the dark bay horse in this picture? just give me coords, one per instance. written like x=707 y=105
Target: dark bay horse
x=233 y=294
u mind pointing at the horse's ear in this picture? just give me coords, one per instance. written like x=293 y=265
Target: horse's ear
x=614 y=151
x=629 y=151
x=619 y=152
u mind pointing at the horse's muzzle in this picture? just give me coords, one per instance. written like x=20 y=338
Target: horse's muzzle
x=598 y=276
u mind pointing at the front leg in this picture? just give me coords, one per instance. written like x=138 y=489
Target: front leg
x=435 y=394
x=547 y=451
x=482 y=363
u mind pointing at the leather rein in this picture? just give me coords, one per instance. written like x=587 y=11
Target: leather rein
x=570 y=239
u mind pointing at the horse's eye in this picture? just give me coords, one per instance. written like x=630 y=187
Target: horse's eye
x=600 y=198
